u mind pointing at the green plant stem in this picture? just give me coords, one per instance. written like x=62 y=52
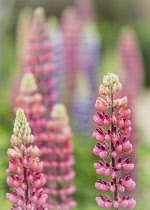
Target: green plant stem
x=113 y=160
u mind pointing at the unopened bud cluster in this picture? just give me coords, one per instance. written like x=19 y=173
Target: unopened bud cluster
x=110 y=84
x=22 y=132
x=113 y=142
x=58 y=160
x=25 y=169
x=28 y=84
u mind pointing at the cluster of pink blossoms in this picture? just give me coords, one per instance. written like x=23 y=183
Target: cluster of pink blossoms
x=58 y=161
x=39 y=58
x=71 y=26
x=113 y=143
x=25 y=169
x=53 y=138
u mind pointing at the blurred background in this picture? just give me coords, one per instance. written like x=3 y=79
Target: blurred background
x=89 y=38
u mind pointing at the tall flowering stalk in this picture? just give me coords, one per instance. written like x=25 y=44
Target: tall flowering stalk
x=131 y=61
x=113 y=142
x=39 y=58
x=133 y=70
x=71 y=26
x=89 y=59
x=58 y=61
x=58 y=161
x=25 y=169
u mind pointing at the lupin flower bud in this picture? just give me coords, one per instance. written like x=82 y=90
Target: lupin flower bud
x=59 y=112
x=113 y=142
x=25 y=169
x=110 y=84
x=39 y=12
x=28 y=84
x=22 y=132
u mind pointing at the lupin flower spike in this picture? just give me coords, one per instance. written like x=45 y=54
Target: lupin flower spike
x=58 y=60
x=39 y=58
x=25 y=169
x=86 y=84
x=131 y=62
x=113 y=142
x=71 y=25
x=58 y=160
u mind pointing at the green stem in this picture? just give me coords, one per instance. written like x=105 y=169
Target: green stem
x=27 y=190
x=113 y=160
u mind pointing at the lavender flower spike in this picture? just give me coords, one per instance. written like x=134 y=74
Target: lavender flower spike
x=25 y=169
x=113 y=142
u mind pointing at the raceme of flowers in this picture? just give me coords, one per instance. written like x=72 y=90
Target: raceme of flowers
x=113 y=143
x=39 y=58
x=58 y=160
x=25 y=169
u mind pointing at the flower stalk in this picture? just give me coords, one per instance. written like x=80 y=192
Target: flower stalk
x=25 y=169
x=58 y=160
x=39 y=60
x=113 y=142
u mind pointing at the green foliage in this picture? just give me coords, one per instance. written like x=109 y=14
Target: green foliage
x=4 y=144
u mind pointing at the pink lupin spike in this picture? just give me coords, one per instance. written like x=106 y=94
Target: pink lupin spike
x=113 y=142
x=22 y=155
x=59 y=170
x=39 y=59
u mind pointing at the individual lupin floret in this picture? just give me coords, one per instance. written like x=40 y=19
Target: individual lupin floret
x=113 y=142
x=25 y=169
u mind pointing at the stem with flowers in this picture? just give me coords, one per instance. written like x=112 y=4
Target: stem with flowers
x=25 y=169
x=59 y=160
x=113 y=142
x=112 y=145
x=39 y=58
